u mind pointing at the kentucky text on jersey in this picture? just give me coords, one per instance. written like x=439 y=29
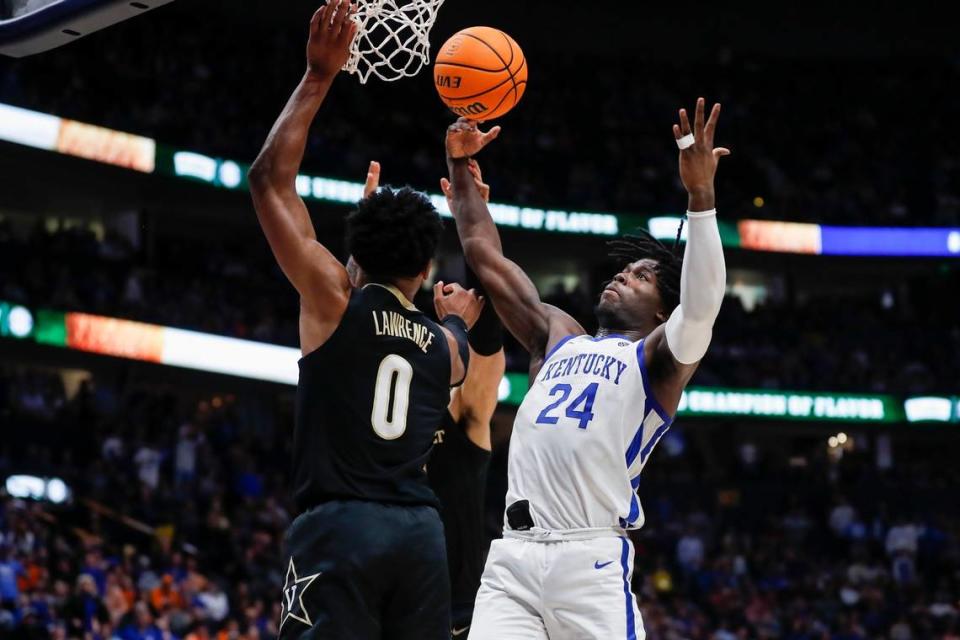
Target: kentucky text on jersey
x=597 y=364
x=393 y=324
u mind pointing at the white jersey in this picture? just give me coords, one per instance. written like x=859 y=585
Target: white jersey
x=582 y=435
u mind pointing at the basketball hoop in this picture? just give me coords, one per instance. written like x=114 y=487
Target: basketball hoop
x=393 y=40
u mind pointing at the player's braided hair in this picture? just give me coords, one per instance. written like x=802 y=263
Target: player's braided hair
x=393 y=233
x=642 y=245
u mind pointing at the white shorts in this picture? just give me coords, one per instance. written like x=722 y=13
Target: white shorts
x=570 y=589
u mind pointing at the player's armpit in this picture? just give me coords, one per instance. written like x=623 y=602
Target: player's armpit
x=668 y=377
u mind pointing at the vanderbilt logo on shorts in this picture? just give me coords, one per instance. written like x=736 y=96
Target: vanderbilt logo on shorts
x=293 y=590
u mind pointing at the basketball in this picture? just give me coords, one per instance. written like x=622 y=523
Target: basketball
x=480 y=73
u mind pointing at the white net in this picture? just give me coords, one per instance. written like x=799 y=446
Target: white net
x=393 y=39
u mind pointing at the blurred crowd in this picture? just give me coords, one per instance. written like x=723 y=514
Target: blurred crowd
x=785 y=555
x=173 y=530
x=822 y=140
x=174 y=526
x=827 y=342
x=178 y=501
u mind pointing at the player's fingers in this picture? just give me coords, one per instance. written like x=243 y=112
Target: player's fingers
x=343 y=12
x=719 y=152
x=698 y=119
x=445 y=186
x=373 y=179
x=438 y=289
x=350 y=31
x=330 y=16
x=475 y=169
x=684 y=122
x=676 y=132
x=317 y=18
x=712 y=123
x=349 y=28
x=491 y=135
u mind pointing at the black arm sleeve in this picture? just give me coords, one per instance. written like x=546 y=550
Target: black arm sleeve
x=458 y=328
x=486 y=335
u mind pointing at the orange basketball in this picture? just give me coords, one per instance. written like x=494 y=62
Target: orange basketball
x=480 y=73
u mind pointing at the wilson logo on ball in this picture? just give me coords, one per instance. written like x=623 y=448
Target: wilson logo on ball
x=474 y=109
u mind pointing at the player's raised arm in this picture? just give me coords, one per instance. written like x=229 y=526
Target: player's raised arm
x=316 y=274
x=675 y=348
x=537 y=326
x=476 y=402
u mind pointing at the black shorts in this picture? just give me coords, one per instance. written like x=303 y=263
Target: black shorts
x=366 y=570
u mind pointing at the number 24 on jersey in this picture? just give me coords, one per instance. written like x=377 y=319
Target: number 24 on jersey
x=579 y=409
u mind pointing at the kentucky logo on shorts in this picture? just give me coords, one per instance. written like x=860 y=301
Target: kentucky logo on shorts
x=293 y=590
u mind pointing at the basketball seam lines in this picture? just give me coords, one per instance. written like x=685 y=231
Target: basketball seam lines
x=496 y=86
x=468 y=66
x=494 y=110
x=497 y=53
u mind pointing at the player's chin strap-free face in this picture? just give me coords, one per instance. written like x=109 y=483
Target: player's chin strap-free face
x=458 y=328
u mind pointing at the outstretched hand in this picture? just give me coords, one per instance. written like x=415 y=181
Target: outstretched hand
x=698 y=163
x=464 y=139
x=332 y=30
x=453 y=299
x=447 y=187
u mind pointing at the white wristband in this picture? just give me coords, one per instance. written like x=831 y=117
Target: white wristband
x=701 y=214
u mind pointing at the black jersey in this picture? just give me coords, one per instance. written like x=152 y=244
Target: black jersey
x=458 y=475
x=368 y=404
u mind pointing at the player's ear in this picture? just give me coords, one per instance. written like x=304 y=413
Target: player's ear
x=428 y=271
x=662 y=315
x=354 y=273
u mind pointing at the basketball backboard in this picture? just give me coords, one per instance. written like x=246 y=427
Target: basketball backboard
x=32 y=26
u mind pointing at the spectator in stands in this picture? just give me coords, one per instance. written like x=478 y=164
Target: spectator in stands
x=165 y=596
x=212 y=602
x=143 y=626
x=84 y=613
x=901 y=546
x=842 y=517
x=10 y=573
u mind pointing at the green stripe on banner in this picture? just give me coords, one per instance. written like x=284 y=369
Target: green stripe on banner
x=789 y=405
x=756 y=403
x=512 y=388
x=273 y=363
x=51 y=328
